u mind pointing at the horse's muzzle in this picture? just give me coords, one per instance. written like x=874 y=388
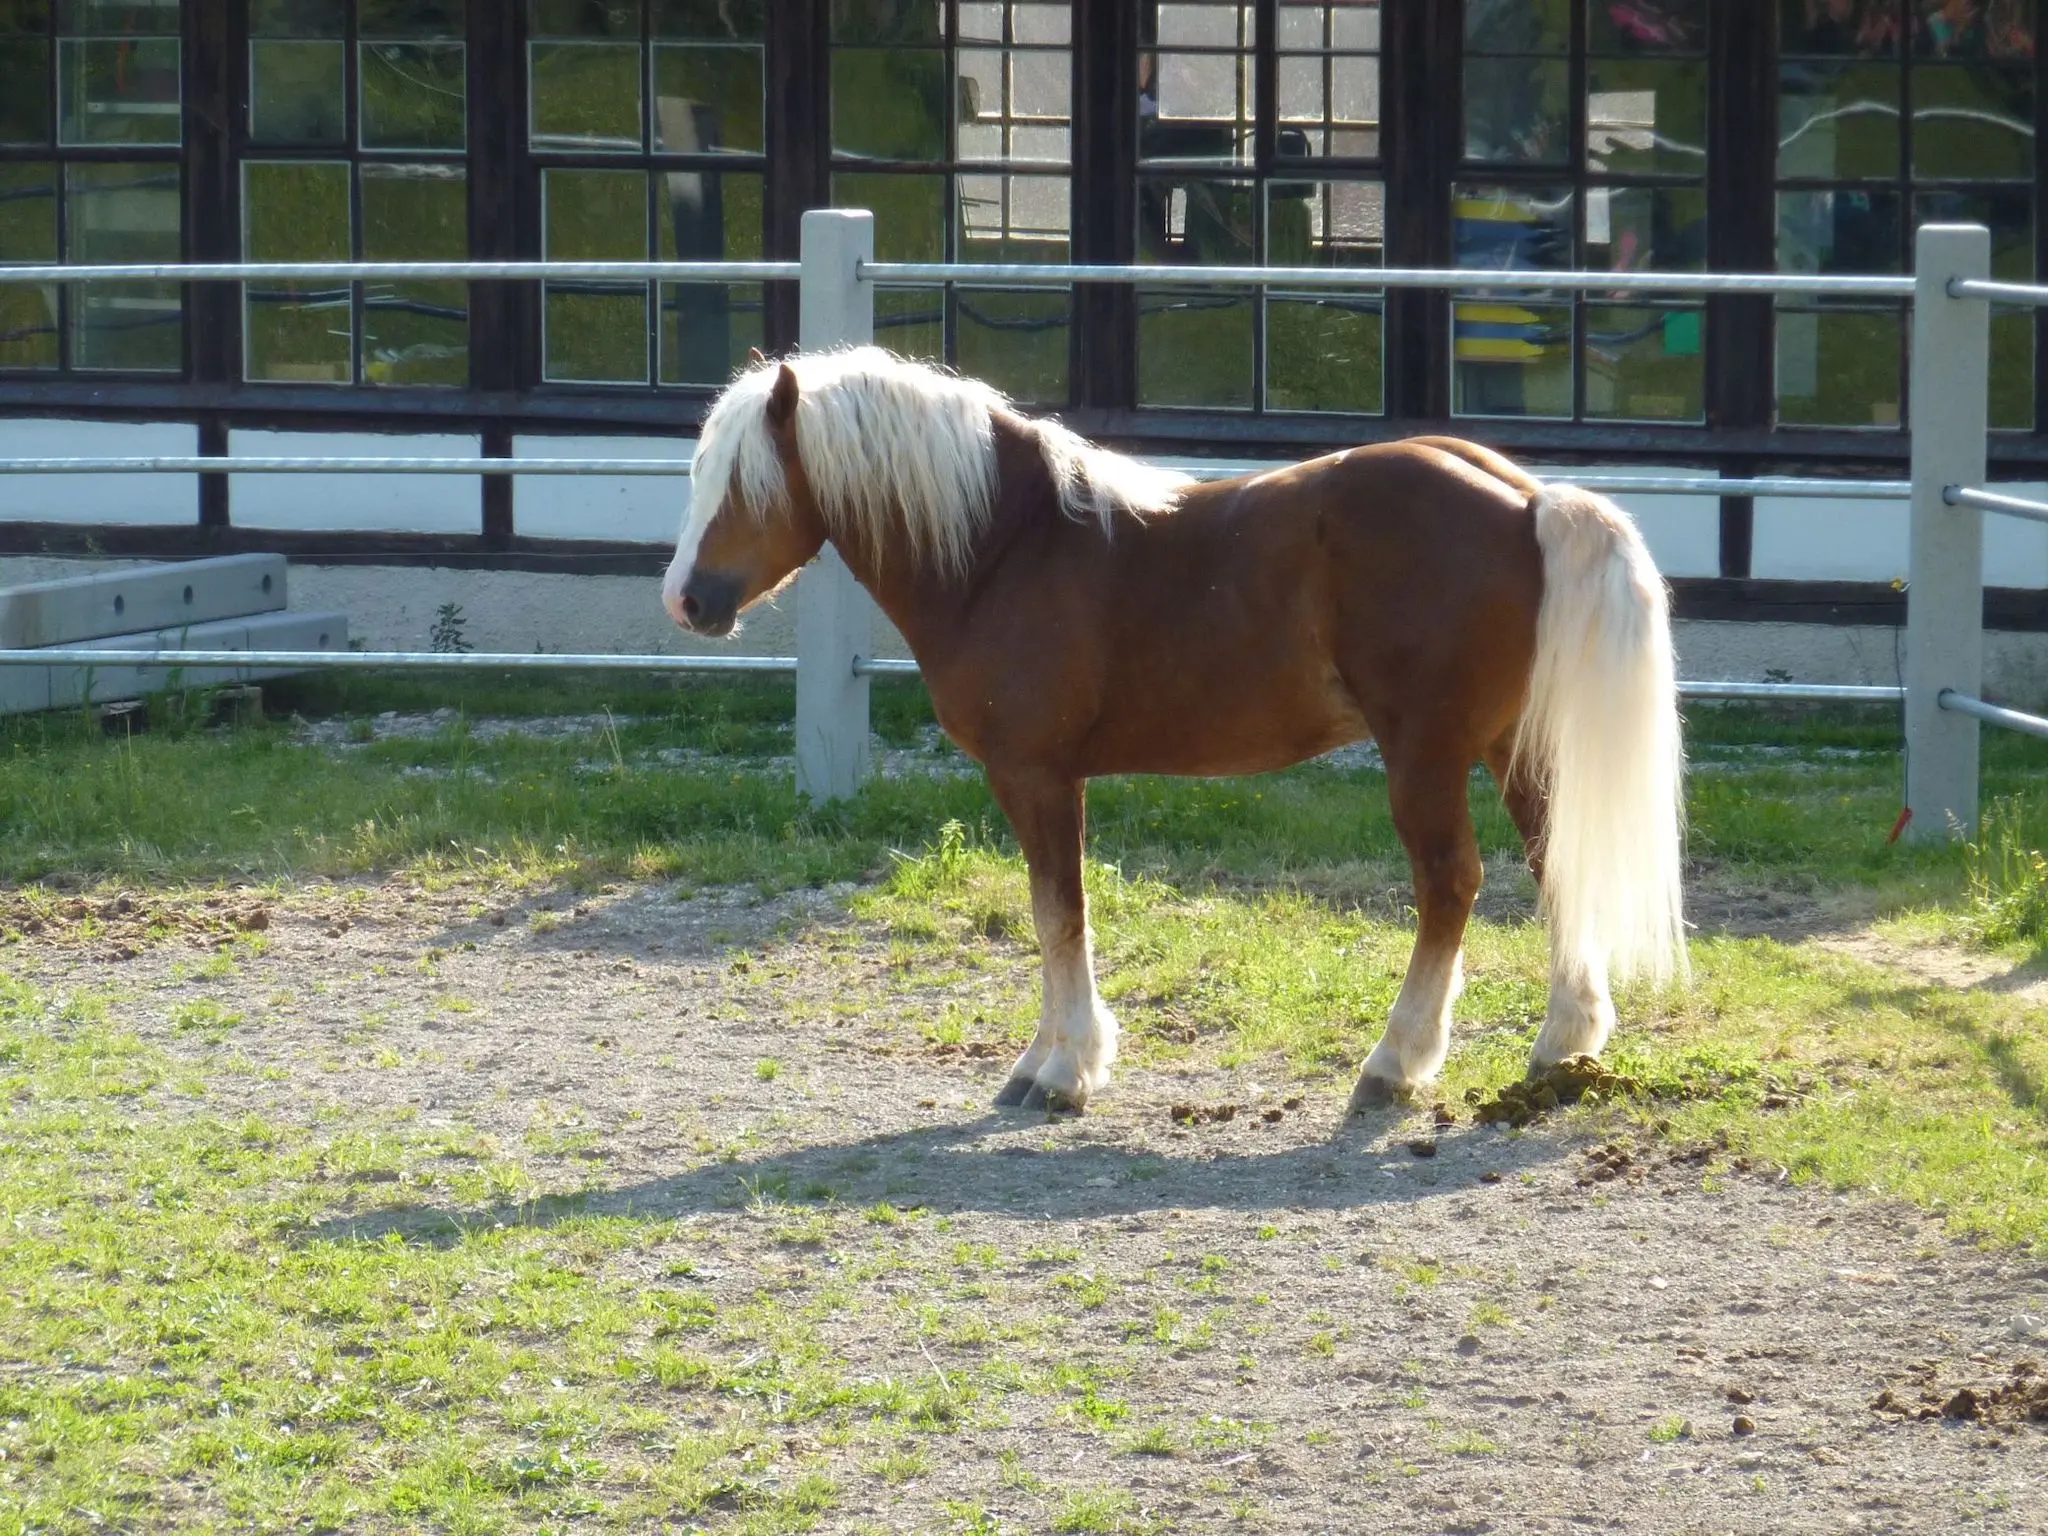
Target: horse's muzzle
x=710 y=604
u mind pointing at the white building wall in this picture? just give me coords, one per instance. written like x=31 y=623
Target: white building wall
x=148 y=500
x=356 y=503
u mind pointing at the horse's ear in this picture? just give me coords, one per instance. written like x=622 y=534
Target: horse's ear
x=782 y=399
x=755 y=357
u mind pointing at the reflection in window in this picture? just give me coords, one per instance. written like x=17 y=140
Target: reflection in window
x=1629 y=196
x=959 y=141
x=1891 y=113
x=649 y=118
x=90 y=126
x=1210 y=193
x=354 y=153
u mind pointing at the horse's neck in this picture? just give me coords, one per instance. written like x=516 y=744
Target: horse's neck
x=931 y=608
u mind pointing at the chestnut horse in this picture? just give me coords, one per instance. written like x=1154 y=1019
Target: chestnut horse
x=1076 y=613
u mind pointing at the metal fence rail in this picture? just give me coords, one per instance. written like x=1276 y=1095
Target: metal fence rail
x=426 y=661
x=408 y=271
x=1993 y=714
x=1992 y=501
x=1368 y=279
x=255 y=464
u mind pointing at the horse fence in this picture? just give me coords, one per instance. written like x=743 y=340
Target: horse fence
x=835 y=622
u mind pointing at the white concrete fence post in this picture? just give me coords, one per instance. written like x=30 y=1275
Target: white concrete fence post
x=835 y=617
x=1945 y=582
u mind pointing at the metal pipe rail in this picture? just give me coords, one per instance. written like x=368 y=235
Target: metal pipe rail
x=864 y=666
x=1997 y=292
x=360 y=661
x=1992 y=501
x=1993 y=714
x=1033 y=274
x=408 y=271
x=253 y=464
x=191 y=464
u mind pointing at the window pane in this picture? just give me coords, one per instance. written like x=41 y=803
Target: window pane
x=1975 y=29
x=1017 y=341
x=116 y=18
x=1974 y=121
x=1194 y=106
x=1014 y=105
x=1517 y=110
x=889 y=104
x=297 y=332
x=1512 y=352
x=1646 y=229
x=1843 y=230
x=1323 y=351
x=124 y=213
x=31 y=16
x=711 y=20
x=118 y=92
x=1646 y=116
x=585 y=18
x=1313 y=25
x=586 y=96
x=1040 y=21
x=1329 y=105
x=706 y=328
x=1013 y=218
x=415 y=333
x=1204 y=24
x=911 y=322
x=910 y=212
x=595 y=332
x=1839 y=367
x=888 y=21
x=2007 y=212
x=24 y=91
x=707 y=99
x=2012 y=369
x=1645 y=363
x=413 y=95
x=1195 y=348
x=1838 y=120
x=1518 y=26
x=298 y=18
x=1670 y=26
x=28 y=232
x=296 y=92
x=411 y=18
x=1860 y=28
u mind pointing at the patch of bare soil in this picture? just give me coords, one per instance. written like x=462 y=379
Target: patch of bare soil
x=1408 y=1323
x=1948 y=964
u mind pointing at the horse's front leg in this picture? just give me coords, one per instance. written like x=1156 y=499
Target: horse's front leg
x=1076 y=1041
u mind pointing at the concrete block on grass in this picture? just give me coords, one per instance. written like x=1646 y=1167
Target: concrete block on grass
x=145 y=598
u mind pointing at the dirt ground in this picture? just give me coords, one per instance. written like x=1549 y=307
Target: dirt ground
x=1517 y=1333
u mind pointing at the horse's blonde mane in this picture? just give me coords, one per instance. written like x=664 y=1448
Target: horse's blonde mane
x=881 y=437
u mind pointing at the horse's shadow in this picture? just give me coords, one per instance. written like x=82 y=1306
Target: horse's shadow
x=953 y=1169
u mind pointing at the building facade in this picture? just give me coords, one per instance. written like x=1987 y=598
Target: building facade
x=1626 y=135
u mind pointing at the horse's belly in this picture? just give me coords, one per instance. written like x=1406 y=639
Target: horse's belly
x=1246 y=721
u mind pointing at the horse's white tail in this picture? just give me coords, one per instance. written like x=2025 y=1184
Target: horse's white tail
x=1600 y=733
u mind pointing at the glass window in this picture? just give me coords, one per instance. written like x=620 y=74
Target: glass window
x=650 y=119
x=124 y=212
x=1591 y=160
x=1227 y=179
x=1892 y=113
x=960 y=144
x=118 y=72
x=89 y=172
x=382 y=91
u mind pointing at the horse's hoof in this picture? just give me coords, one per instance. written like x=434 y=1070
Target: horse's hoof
x=1376 y=1093
x=1014 y=1092
x=1056 y=1101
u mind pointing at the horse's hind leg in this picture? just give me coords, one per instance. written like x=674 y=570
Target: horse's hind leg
x=1076 y=1041
x=1426 y=785
x=1581 y=1013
